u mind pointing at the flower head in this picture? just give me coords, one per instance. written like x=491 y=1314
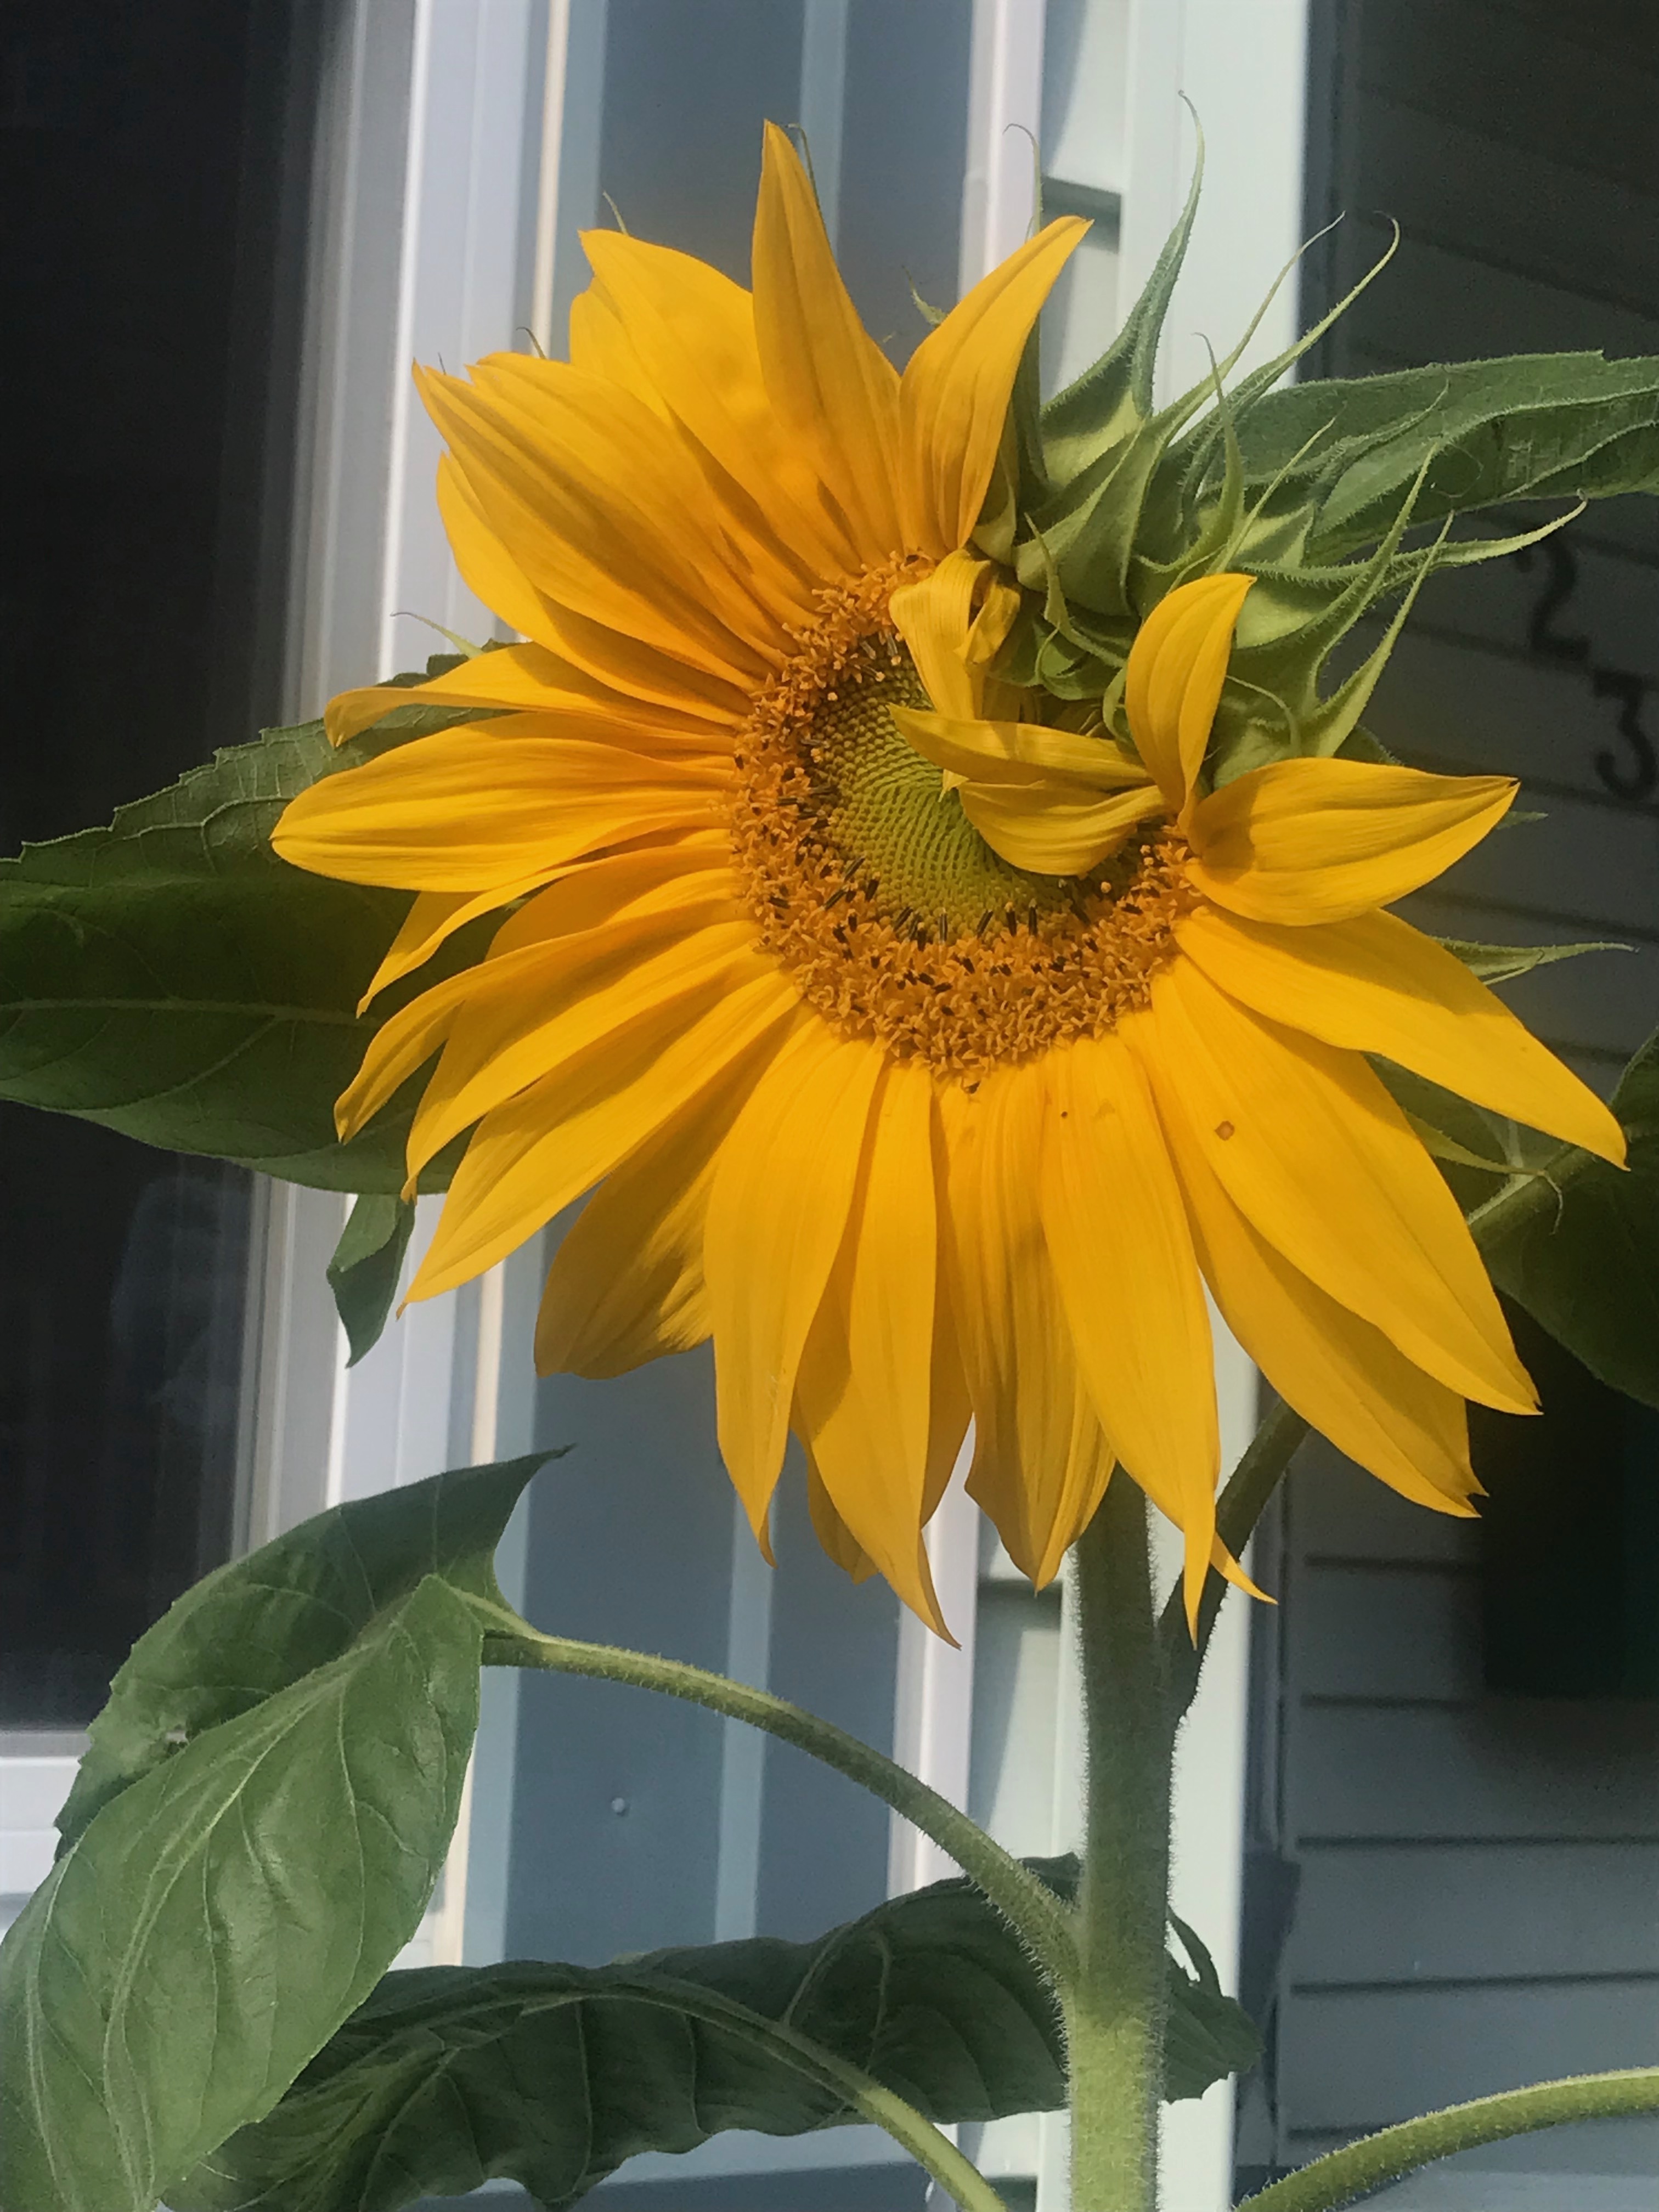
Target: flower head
x=929 y=1041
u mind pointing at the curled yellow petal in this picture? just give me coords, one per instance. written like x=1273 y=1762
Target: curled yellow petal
x=954 y=398
x=1305 y=841
x=1172 y=684
x=1052 y=830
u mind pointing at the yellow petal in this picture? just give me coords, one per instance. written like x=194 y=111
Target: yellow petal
x=1304 y=840
x=831 y=1531
x=643 y=974
x=530 y=1158
x=489 y=806
x=1172 y=684
x=626 y=1282
x=1335 y=1369
x=530 y=956
x=693 y=331
x=1375 y=984
x=1040 y=1458
x=527 y=678
x=863 y=1393
x=1123 y=1255
x=1022 y=753
x=933 y=615
x=603 y=512
x=1049 y=828
x=488 y=569
x=954 y=398
x=829 y=384
x=776 y=1217
x=1315 y=1153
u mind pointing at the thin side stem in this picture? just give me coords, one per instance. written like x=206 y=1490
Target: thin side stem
x=1043 y=1920
x=1116 y=2015
x=1344 y=2176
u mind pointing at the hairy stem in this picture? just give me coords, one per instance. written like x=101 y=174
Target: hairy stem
x=1040 y=1918
x=1116 y=2012
x=1343 y=2176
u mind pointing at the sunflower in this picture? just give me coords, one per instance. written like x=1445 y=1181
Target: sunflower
x=928 y=1042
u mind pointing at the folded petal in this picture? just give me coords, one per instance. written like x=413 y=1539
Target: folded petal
x=777 y=1213
x=1336 y=1371
x=863 y=1392
x=1040 y=1458
x=1052 y=829
x=1172 y=684
x=1305 y=841
x=1022 y=752
x=1317 y=1156
x=829 y=384
x=1375 y=984
x=934 y=616
x=954 y=398
x=1116 y=1226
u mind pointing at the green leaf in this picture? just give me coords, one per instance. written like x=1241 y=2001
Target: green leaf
x=1209 y=2036
x=367 y=1263
x=1579 y=1248
x=169 y=977
x=554 y=2075
x=1532 y=426
x=262 y=1623
x=253 y=1838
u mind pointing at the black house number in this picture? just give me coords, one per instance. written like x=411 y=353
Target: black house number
x=1633 y=775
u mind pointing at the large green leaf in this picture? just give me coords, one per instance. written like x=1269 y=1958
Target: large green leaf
x=1531 y=426
x=262 y=1623
x=256 y=1829
x=554 y=2075
x=169 y=977
x=1579 y=1248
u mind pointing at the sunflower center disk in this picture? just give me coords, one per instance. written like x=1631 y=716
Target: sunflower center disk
x=891 y=913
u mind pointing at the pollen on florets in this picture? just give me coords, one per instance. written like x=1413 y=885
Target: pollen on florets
x=874 y=891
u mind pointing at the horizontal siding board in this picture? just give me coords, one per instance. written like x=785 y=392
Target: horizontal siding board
x=1516 y=210
x=1338 y=1511
x=1590 y=862
x=1368 y=1632
x=1473 y=65
x=1365 y=2060
x=1508 y=1767
x=1608 y=599
x=1449 y=1913
x=1598 y=1002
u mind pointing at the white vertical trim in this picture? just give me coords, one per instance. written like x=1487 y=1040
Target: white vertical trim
x=743 y=1748
x=823 y=99
x=547 y=180
x=933 y=1701
x=1004 y=119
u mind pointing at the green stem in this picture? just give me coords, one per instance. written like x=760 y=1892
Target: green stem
x=1343 y=2176
x=1116 y=2013
x=1043 y=1920
x=884 y=2108
x=1238 y=1510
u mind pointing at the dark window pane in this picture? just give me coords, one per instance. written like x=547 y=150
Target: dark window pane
x=152 y=170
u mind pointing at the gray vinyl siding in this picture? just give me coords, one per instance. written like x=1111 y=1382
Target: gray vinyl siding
x=1478 y=1875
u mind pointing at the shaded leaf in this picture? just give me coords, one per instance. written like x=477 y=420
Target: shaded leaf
x=367 y=1263
x=554 y=2075
x=169 y=977
x=1583 y=1255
